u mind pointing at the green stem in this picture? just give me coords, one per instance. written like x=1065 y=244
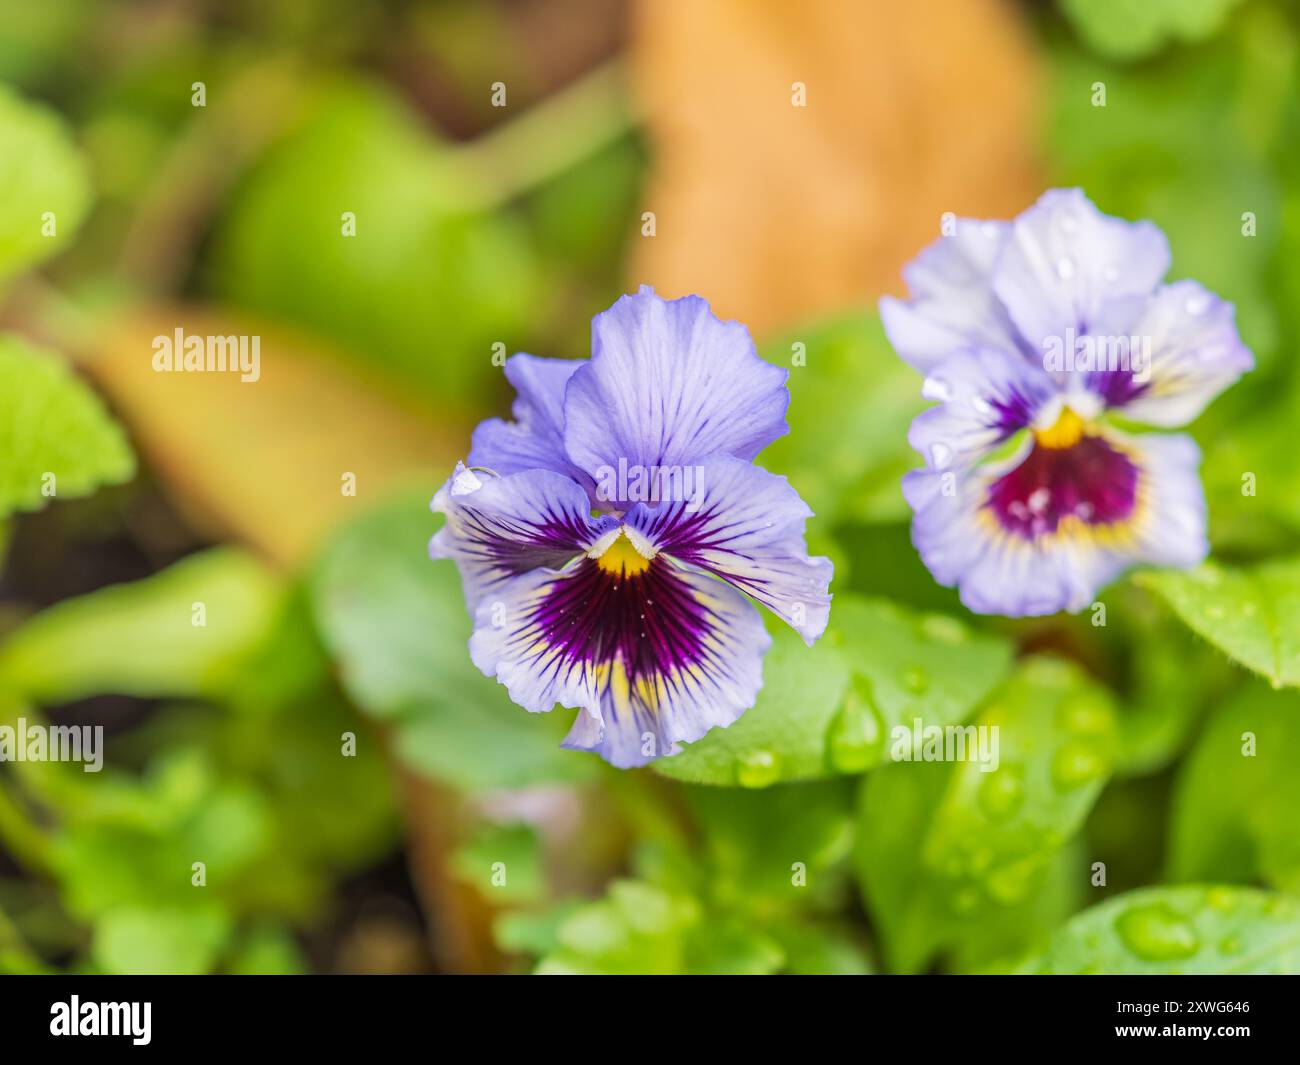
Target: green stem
x=547 y=139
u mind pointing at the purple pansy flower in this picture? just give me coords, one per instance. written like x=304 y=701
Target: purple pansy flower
x=1045 y=324
x=611 y=537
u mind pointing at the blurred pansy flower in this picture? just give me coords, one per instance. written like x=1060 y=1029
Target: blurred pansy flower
x=611 y=538
x=1028 y=333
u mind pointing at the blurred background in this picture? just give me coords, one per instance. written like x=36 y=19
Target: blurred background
x=360 y=798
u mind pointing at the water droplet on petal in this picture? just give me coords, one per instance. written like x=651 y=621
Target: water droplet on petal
x=936 y=389
x=1197 y=304
x=982 y=405
x=758 y=769
x=1065 y=269
x=940 y=454
x=1157 y=932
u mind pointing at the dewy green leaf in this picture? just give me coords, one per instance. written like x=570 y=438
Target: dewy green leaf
x=851 y=402
x=1237 y=802
x=397 y=624
x=1131 y=29
x=827 y=710
x=945 y=846
x=43 y=185
x=181 y=632
x=1252 y=615
x=56 y=439
x=1167 y=930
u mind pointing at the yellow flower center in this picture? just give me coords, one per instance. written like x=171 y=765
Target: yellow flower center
x=622 y=558
x=1066 y=432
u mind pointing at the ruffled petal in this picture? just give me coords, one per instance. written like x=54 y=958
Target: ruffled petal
x=746 y=526
x=535 y=439
x=952 y=304
x=499 y=527
x=1046 y=530
x=1183 y=348
x=669 y=384
x=985 y=397
x=1065 y=260
x=654 y=656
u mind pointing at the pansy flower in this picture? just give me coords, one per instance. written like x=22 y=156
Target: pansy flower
x=613 y=539
x=1029 y=333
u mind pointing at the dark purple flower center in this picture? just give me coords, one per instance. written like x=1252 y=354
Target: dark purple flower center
x=1087 y=480
x=646 y=616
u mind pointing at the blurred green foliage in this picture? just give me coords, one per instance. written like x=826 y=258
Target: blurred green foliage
x=1142 y=815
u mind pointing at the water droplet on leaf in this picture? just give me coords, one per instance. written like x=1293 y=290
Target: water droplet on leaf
x=1157 y=932
x=758 y=769
x=856 y=735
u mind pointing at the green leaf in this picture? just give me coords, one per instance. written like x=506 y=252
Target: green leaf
x=775 y=850
x=427 y=284
x=1131 y=29
x=1252 y=615
x=183 y=631
x=638 y=928
x=851 y=402
x=1170 y=682
x=944 y=846
x=827 y=710
x=504 y=862
x=396 y=623
x=56 y=439
x=1170 y=930
x=268 y=950
x=821 y=950
x=134 y=941
x=1237 y=803
x=783 y=735
x=43 y=185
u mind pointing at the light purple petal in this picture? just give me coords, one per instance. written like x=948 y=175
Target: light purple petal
x=535 y=439
x=499 y=527
x=651 y=661
x=1189 y=337
x=952 y=304
x=745 y=525
x=669 y=384
x=998 y=571
x=1065 y=260
x=985 y=397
